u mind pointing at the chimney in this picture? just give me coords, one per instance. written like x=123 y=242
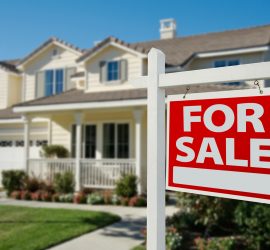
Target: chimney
x=167 y=28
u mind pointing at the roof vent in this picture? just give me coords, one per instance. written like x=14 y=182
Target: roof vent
x=167 y=28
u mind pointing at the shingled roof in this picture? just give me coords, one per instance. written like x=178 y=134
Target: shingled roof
x=179 y=50
x=8 y=114
x=10 y=65
x=79 y=96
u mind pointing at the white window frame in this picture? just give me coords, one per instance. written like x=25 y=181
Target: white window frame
x=54 y=80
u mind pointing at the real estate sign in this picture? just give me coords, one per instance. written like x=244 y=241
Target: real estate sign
x=219 y=145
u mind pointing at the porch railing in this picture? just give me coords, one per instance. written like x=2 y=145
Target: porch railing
x=93 y=173
x=105 y=173
x=46 y=169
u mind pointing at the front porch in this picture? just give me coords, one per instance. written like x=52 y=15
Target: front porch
x=104 y=144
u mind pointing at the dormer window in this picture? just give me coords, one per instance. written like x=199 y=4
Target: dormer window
x=113 y=71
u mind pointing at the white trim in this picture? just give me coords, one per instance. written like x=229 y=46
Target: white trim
x=231 y=52
x=122 y=47
x=81 y=106
x=20 y=120
x=244 y=72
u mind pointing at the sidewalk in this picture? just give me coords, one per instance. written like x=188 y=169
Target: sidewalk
x=122 y=235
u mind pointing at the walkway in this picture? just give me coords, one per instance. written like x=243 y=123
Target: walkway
x=123 y=235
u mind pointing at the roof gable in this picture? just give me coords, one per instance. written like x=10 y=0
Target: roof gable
x=43 y=47
x=111 y=41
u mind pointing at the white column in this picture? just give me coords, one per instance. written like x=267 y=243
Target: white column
x=137 y=113
x=155 y=153
x=26 y=123
x=78 y=120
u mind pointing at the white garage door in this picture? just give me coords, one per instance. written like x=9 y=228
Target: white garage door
x=12 y=154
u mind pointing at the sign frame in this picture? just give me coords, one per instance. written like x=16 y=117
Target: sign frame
x=209 y=96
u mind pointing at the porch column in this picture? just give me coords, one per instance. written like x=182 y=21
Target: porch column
x=26 y=124
x=137 y=113
x=78 y=120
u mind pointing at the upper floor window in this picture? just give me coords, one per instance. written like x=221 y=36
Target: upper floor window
x=113 y=71
x=225 y=63
x=54 y=82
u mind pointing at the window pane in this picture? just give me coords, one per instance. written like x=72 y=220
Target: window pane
x=49 y=82
x=90 y=141
x=113 y=71
x=109 y=140
x=122 y=141
x=233 y=62
x=219 y=64
x=59 y=84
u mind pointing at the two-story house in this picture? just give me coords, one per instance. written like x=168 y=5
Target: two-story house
x=84 y=100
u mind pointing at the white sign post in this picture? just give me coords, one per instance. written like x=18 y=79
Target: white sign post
x=155 y=153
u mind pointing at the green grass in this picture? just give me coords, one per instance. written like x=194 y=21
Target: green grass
x=24 y=228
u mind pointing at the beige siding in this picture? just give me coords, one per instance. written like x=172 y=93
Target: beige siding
x=44 y=61
x=14 y=89
x=3 y=88
x=135 y=69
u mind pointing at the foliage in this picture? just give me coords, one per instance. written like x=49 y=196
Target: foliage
x=95 y=199
x=41 y=228
x=79 y=198
x=64 y=183
x=209 y=212
x=13 y=180
x=32 y=184
x=25 y=195
x=126 y=186
x=16 y=195
x=173 y=239
x=253 y=221
x=137 y=201
x=217 y=243
x=116 y=199
x=66 y=198
x=54 y=151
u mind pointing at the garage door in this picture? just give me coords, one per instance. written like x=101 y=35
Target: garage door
x=12 y=153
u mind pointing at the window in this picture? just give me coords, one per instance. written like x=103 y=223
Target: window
x=113 y=71
x=115 y=140
x=89 y=141
x=54 y=82
x=225 y=63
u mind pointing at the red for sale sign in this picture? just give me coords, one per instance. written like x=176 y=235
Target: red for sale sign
x=219 y=144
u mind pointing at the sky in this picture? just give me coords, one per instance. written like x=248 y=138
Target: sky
x=25 y=24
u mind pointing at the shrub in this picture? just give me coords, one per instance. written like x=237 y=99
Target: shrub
x=95 y=199
x=16 y=195
x=137 y=201
x=216 y=243
x=116 y=200
x=79 y=198
x=12 y=180
x=64 y=183
x=55 y=198
x=173 y=239
x=32 y=184
x=126 y=186
x=107 y=196
x=37 y=196
x=124 y=201
x=66 y=198
x=52 y=151
x=210 y=212
x=253 y=222
x=46 y=196
x=25 y=195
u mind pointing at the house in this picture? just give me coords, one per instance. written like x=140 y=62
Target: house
x=84 y=99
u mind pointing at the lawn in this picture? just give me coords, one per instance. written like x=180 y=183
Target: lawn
x=39 y=228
